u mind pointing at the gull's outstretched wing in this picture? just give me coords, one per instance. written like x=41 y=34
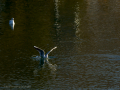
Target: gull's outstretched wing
x=50 y=51
x=40 y=51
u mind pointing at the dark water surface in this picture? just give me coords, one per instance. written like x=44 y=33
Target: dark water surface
x=86 y=32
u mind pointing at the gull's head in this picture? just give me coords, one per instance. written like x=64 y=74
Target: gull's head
x=12 y=18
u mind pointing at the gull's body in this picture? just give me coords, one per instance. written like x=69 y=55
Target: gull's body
x=12 y=23
x=43 y=55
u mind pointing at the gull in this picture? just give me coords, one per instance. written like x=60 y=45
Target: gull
x=43 y=55
x=12 y=23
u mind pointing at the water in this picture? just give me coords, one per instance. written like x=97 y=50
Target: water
x=87 y=36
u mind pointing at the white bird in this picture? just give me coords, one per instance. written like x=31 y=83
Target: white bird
x=44 y=57
x=12 y=23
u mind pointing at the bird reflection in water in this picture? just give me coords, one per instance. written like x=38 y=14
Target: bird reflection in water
x=43 y=65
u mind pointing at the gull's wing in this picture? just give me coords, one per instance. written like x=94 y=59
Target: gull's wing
x=50 y=51
x=40 y=51
x=10 y=21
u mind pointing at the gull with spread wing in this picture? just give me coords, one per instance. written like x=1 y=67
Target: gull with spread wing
x=42 y=54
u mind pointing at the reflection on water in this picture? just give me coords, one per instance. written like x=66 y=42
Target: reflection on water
x=38 y=59
x=57 y=16
x=47 y=71
x=77 y=20
x=86 y=32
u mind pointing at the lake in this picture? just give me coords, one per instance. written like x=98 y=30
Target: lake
x=87 y=36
